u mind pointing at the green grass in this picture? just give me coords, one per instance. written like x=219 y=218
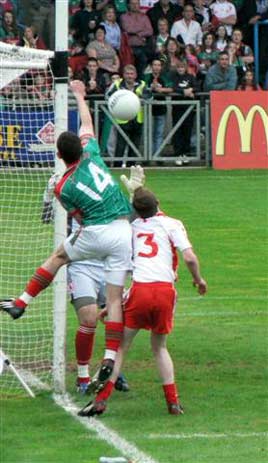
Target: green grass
x=219 y=345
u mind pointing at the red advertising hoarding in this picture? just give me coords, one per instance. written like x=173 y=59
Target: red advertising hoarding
x=239 y=126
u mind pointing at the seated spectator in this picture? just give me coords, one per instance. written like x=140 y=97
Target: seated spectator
x=242 y=50
x=191 y=59
x=223 y=12
x=86 y=20
x=78 y=57
x=187 y=29
x=162 y=36
x=164 y=9
x=172 y=54
x=31 y=39
x=185 y=86
x=139 y=29
x=9 y=30
x=202 y=14
x=236 y=60
x=221 y=37
x=208 y=54
x=222 y=75
x=105 y=54
x=93 y=78
x=248 y=84
x=113 y=31
x=159 y=85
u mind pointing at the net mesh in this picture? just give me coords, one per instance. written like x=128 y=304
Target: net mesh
x=26 y=163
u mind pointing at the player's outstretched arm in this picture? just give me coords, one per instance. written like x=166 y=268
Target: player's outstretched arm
x=192 y=263
x=78 y=89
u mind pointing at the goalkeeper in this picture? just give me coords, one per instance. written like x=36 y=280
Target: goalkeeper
x=89 y=194
x=87 y=289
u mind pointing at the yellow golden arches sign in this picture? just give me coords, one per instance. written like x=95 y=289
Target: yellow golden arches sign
x=245 y=124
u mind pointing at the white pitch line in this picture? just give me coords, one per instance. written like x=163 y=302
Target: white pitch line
x=108 y=435
x=223 y=298
x=207 y=435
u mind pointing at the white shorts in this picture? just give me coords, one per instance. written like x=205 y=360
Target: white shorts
x=110 y=243
x=86 y=281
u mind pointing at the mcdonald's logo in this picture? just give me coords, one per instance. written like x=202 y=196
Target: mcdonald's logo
x=245 y=125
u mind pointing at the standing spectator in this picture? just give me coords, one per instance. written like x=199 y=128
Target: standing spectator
x=247 y=83
x=105 y=54
x=151 y=300
x=42 y=17
x=9 y=30
x=222 y=75
x=208 y=55
x=221 y=37
x=162 y=36
x=139 y=29
x=164 y=9
x=86 y=20
x=171 y=55
x=112 y=29
x=159 y=85
x=187 y=29
x=93 y=78
x=202 y=14
x=132 y=128
x=242 y=50
x=31 y=39
x=223 y=12
x=185 y=86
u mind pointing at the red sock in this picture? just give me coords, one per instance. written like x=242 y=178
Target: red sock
x=84 y=342
x=39 y=281
x=106 y=392
x=113 y=335
x=171 y=394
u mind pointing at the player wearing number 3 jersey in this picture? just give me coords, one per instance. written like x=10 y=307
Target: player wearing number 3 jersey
x=151 y=300
x=90 y=195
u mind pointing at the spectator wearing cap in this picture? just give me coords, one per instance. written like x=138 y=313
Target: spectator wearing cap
x=187 y=29
x=222 y=75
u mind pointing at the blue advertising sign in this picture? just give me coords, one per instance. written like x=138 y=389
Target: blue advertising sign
x=27 y=137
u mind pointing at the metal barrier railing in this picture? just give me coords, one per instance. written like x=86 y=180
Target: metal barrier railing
x=165 y=153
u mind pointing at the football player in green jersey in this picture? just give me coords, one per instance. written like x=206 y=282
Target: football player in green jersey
x=91 y=195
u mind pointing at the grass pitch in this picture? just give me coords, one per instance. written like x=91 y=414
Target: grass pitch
x=219 y=345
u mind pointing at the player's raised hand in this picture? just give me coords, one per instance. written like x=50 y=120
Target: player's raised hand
x=78 y=88
x=135 y=180
x=201 y=285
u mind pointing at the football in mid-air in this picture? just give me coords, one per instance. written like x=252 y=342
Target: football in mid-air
x=124 y=105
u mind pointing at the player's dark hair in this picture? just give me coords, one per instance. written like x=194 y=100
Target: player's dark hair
x=69 y=147
x=145 y=203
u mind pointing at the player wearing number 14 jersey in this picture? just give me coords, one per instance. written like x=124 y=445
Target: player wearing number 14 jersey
x=151 y=300
x=89 y=194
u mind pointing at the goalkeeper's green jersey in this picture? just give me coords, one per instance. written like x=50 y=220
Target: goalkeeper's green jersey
x=88 y=191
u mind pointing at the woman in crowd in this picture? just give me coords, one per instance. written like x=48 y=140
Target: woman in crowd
x=171 y=55
x=9 y=30
x=162 y=36
x=86 y=20
x=31 y=39
x=221 y=38
x=208 y=54
x=247 y=83
x=105 y=54
x=191 y=59
x=112 y=29
x=236 y=60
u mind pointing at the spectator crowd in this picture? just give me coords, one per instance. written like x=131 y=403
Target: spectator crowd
x=168 y=46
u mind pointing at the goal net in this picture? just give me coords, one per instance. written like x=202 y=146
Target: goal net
x=26 y=162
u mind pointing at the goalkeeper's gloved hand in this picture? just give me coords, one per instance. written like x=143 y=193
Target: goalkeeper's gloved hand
x=135 y=180
x=49 y=191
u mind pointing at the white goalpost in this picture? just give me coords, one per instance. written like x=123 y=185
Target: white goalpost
x=33 y=111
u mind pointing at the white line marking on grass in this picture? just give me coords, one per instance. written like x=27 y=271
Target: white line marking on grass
x=223 y=298
x=108 y=435
x=208 y=436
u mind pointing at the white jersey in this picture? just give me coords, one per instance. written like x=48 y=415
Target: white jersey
x=155 y=244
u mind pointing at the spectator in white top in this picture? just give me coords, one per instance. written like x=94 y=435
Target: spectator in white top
x=187 y=30
x=224 y=12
